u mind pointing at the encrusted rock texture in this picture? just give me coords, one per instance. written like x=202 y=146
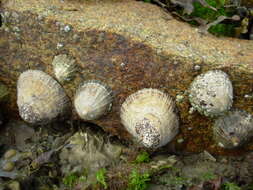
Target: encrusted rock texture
x=128 y=45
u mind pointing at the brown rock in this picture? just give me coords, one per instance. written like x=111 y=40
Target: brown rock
x=128 y=45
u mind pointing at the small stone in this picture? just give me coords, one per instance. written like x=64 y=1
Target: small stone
x=8 y=166
x=191 y=110
x=16 y=29
x=14 y=185
x=179 y=98
x=10 y=153
x=180 y=140
x=197 y=67
x=189 y=128
x=248 y=96
x=59 y=46
x=67 y=28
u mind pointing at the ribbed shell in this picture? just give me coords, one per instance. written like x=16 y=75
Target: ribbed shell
x=149 y=116
x=64 y=67
x=40 y=98
x=92 y=100
x=233 y=129
x=211 y=93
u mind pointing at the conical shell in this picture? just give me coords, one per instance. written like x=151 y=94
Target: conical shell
x=149 y=116
x=233 y=129
x=40 y=98
x=64 y=67
x=93 y=99
x=211 y=93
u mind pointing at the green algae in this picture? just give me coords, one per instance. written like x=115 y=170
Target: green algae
x=221 y=29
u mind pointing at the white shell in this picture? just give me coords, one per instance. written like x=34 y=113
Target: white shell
x=92 y=100
x=64 y=67
x=40 y=98
x=233 y=129
x=149 y=116
x=211 y=93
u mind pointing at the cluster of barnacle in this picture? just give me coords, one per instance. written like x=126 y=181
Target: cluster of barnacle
x=148 y=114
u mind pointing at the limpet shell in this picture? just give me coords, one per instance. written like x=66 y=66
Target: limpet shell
x=40 y=98
x=211 y=93
x=64 y=67
x=92 y=100
x=149 y=116
x=233 y=129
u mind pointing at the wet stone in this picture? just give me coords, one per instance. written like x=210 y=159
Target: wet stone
x=148 y=52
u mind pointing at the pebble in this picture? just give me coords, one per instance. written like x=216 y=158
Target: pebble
x=180 y=140
x=191 y=110
x=179 y=98
x=10 y=153
x=67 y=28
x=197 y=67
x=59 y=46
x=14 y=185
x=8 y=166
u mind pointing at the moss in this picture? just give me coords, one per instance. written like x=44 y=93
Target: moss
x=138 y=181
x=230 y=186
x=101 y=177
x=143 y=157
x=210 y=15
x=73 y=178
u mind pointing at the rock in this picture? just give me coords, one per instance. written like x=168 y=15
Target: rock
x=88 y=151
x=8 y=166
x=128 y=45
x=14 y=185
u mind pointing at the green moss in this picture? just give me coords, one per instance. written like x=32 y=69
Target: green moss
x=230 y=186
x=138 y=181
x=208 y=176
x=143 y=157
x=72 y=179
x=101 y=177
x=211 y=15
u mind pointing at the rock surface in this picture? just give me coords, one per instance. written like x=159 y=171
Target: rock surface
x=128 y=45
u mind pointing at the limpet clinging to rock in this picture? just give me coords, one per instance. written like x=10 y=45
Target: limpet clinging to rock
x=149 y=116
x=64 y=67
x=92 y=100
x=233 y=129
x=40 y=98
x=211 y=93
